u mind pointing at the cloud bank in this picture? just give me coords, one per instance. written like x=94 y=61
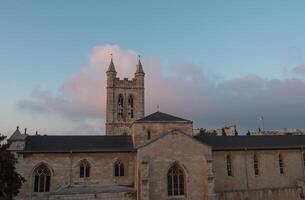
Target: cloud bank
x=185 y=90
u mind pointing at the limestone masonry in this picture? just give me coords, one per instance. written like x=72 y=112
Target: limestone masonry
x=157 y=157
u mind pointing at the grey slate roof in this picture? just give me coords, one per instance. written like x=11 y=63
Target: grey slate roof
x=79 y=143
x=160 y=116
x=219 y=143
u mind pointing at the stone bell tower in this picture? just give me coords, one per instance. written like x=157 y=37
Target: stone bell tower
x=125 y=100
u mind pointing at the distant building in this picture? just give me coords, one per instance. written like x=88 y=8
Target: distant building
x=284 y=131
x=225 y=131
x=157 y=157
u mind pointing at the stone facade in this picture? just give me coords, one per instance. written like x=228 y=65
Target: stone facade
x=157 y=146
x=125 y=100
x=143 y=132
x=269 y=183
x=65 y=170
x=156 y=157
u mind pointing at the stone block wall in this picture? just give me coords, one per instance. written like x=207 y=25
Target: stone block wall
x=65 y=170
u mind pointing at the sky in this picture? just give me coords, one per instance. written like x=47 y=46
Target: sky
x=213 y=62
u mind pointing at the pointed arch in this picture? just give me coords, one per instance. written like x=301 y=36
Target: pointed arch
x=303 y=159
x=130 y=106
x=255 y=164
x=42 y=178
x=229 y=165
x=176 y=180
x=281 y=163
x=120 y=107
x=119 y=169
x=84 y=169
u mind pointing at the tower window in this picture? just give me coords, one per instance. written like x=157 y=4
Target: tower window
x=229 y=166
x=42 y=179
x=118 y=169
x=120 y=107
x=281 y=164
x=175 y=181
x=84 y=169
x=130 y=106
x=255 y=164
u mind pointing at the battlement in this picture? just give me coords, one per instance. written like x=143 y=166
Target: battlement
x=125 y=83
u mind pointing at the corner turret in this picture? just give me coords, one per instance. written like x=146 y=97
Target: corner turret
x=17 y=140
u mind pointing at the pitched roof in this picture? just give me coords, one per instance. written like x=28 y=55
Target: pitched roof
x=83 y=143
x=162 y=117
x=17 y=135
x=219 y=143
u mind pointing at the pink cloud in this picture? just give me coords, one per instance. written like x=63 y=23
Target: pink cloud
x=185 y=90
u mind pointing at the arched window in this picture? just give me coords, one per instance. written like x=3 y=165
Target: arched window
x=148 y=135
x=118 y=169
x=175 y=181
x=42 y=179
x=130 y=106
x=84 y=169
x=255 y=164
x=120 y=107
x=281 y=164
x=304 y=159
x=229 y=166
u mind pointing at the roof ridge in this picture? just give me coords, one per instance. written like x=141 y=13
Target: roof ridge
x=161 y=116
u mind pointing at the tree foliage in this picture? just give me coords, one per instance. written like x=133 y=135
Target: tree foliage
x=10 y=180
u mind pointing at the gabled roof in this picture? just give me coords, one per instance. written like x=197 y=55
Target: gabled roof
x=220 y=143
x=175 y=131
x=17 y=135
x=161 y=117
x=83 y=143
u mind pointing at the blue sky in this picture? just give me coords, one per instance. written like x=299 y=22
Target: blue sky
x=42 y=43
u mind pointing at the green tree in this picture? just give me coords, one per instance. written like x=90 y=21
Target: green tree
x=10 y=180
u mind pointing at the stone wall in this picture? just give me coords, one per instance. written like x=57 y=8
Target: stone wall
x=266 y=194
x=269 y=176
x=155 y=159
x=126 y=88
x=99 y=196
x=140 y=130
x=65 y=170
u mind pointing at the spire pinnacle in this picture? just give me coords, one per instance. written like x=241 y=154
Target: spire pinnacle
x=111 y=67
x=139 y=66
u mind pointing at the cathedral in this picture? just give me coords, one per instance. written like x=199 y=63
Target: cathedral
x=156 y=157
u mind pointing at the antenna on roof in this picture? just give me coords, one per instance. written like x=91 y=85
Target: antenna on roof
x=158 y=107
x=263 y=124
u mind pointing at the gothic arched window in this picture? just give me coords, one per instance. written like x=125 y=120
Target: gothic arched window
x=281 y=164
x=42 y=179
x=255 y=164
x=118 y=169
x=120 y=107
x=130 y=106
x=84 y=169
x=175 y=181
x=304 y=159
x=229 y=166
x=148 y=135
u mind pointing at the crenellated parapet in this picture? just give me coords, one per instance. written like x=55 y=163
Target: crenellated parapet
x=125 y=83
